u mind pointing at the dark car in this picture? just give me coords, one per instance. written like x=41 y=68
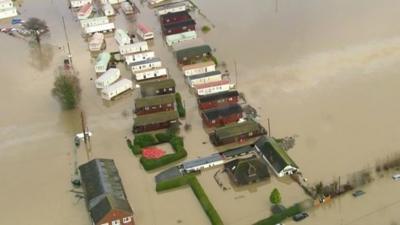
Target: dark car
x=300 y=216
x=358 y=193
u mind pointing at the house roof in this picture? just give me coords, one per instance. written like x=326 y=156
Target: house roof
x=178 y=24
x=143 y=28
x=198 y=65
x=151 y=86
x=108 y=204
x=103 y=57
x=236 y=129
x=211 y=84
x=238 y=151
x=155 y=118
x=174 y=15
x=239 y=170
x=202 y=75
x=274 y=153
x=147 y=61
x=226 y=111
x=188 y=44
x=193 y=52
x=154 y=100
x=217 y=96
x=204 y=160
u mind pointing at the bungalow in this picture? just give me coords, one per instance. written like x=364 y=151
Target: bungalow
x=145 y=64
x=171 y=8
x=79 y=3
x=150 y=74
x=237 y=132
x=213 y=87
x=198 y=68
x=104 y=193
x=181 y=37
x=155 y=121
x=178 y=27
x=204 y=78
x=186 y=56
x=218 y=99
x=157 y=87
x=139 y=56
x=154 y=104
x=276 y=157
x=133 y=48
x=222 y=116
x=247 y=171
x=174 y=17
x=102 y=62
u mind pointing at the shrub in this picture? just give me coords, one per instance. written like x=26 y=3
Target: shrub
x=173 y=183
x=205 y=29
x=179 y=105
x=277 y=218
x=67 y=90
x=145 y=140
x=164 y=137
x=275 y=196
x=214 y=59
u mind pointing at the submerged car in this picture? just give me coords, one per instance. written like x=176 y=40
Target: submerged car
x=358 y=193
x=300 y=216
x=396 y=177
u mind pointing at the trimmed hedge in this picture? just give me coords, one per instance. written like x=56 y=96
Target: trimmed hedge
x=145 y=140
x=279 y=217
x=164 y=137
x=198 y=192
x=179 y=105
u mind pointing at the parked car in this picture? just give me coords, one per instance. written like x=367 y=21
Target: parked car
x=300 y=216
x=358 y=193
x=396 y=177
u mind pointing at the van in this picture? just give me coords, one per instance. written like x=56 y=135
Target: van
x=396 y=177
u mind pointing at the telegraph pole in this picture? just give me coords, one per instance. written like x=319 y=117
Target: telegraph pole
x=66 y=37
x=236 y=74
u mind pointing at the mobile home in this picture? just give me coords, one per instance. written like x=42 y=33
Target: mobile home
x=188 y=44
x=144 y=32
x=126 y=8
x=145 y=64
x=108 y=9
x=154 y=104
x=218 y=100
x=222 y=116
x=154 y=121
x=94 y=21
x=176 y=17
x=79 y=3
x=109 y=77
x=172 y=8
x=102 y=62
x=157 y=87
x=115 y=89
x=213 y=87
x=179 y=27
x=198 y=68
x=204 y=78
x=112 y=1
x=236 y=132
x=85 y=11
x=8 y=12
x=133 y=48
x=181 y=37
x=96 y=43
x=140 y=56
x=150 y=74
x=108 y=27
x=6 y=4
x=188 y=55
x=122 y=37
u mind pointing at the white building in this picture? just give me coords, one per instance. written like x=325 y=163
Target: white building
x=107 y=78
x=173 y=8
x=103 y=28
x=177 y=38
x=102 y=62
x=96 y=42
x=144 y=32
x=150 y=74
x=198 y=68
x=79 y=3
x=145 y=65
x=213 y=87
x=111 y=1
x=140 y=56
x=133 y=48
x=122 y=37
x=7 y=9
x=115 y=89
x=202 y=163
x=204 y=78
x=108 y=10
x=94 y=21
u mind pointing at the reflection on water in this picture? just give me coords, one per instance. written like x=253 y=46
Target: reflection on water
x=41 y=56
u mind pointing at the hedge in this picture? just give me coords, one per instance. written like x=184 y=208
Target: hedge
x=197 y=190
x=179 y=105
x=145 y=140
x=279 y=217
x=164 y=137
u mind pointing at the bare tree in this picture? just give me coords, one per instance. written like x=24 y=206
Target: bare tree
x=37 y=28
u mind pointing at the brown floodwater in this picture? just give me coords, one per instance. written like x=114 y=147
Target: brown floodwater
x=326 y=71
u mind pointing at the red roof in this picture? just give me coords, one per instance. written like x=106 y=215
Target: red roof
x=85 y=8
x=152 y=153
x=143 y=28
x=211 y=84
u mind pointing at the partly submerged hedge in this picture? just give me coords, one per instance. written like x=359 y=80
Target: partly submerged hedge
x=279 y=217
x=197 y=190
x=179 y=105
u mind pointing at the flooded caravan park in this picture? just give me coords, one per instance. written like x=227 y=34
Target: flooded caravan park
x=323 y=71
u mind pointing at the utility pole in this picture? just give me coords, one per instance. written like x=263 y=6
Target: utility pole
x=236 y=74
x=86 y=136
x=68 y=47
x=276 y=6
x=269 y=127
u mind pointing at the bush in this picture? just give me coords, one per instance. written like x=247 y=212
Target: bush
x=277 y=218
x=145 y=140
x=179 y=105
x=214 y=59
x=67 y=90
x=164 y=137
x=136 y=149
x=275 y=196
x=174 y=183
x=205 y=29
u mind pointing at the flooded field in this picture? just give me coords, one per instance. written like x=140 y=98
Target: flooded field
x=326 y=71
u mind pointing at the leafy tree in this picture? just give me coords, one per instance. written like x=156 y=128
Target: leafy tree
x=67 y=90
x=275 y=197
x=37 y=28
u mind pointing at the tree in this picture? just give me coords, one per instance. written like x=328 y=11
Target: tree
x=67 y=90
x=275 y=197
x=37 y=28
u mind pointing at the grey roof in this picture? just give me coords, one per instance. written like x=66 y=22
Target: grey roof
x=151 y=60
x=217 y=96
x=155 y=118
x=222 y=112
x=204 y=160
x=193 y=52
x=106 y=205
x=238 y=151
x=188 y=44
x=149 y=88
x=236 y=129
x=154 y=100
x=238 y=170
x=202 y=75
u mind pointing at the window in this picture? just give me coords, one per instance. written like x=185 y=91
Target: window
x=126 y=219
x=115 y=222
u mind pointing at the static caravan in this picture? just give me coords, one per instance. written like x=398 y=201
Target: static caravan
x=140 y=56
x=6 y=4
x=177 y=17
x=150 y=74
x=218 y=100
x=198 y=68
x=94 y=21
x=181 y=37
x=122 y=37
x=133 y=48
x=115 y=89
x=179 y=27
x=96 y=43
x=109 y=77
x=79 y=3
x=188 y=44
x=112 y=1
x=144 y=32
x=108 y=9
x=204 y=78
x=213 y=87
x=85 y=11
x=145 y=65
x=8 y=12
x=173 y=8
x=102 y=62
x=108 y=27
x=127 y=8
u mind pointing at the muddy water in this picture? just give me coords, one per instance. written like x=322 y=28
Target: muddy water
x=325 y=71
